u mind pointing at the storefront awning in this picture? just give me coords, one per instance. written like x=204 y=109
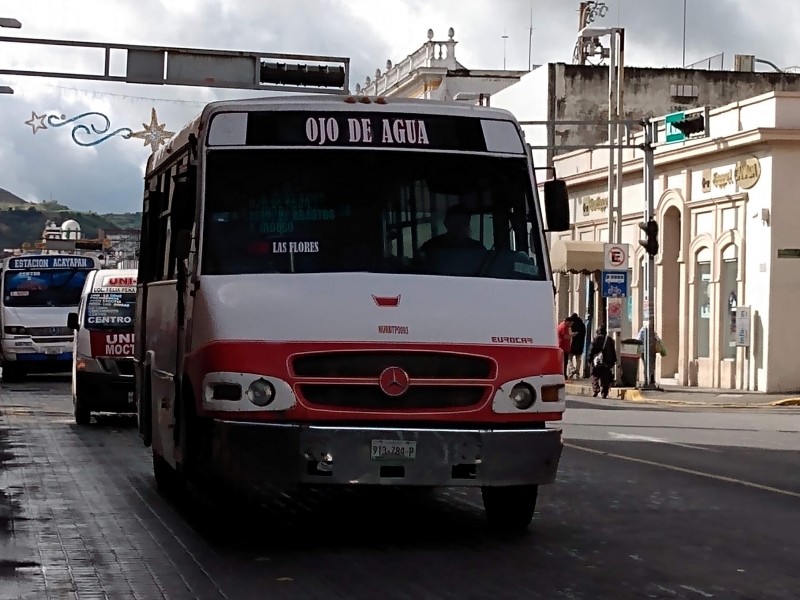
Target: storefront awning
x=576 y=256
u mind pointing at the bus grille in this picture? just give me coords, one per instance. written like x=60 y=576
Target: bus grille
x=371 y=397
x=49 y=331
x=418 y=365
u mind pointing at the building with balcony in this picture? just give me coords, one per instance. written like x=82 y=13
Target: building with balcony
x=432 y=72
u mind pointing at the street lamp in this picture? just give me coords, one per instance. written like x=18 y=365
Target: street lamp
x=11 y=24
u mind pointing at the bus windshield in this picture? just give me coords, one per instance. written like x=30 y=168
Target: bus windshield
x=51 y=287
x=110 y=310
x=331 y=210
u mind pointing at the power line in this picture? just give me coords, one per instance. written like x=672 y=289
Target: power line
x=124 y=96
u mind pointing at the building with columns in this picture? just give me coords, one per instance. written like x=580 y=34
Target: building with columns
x=729 y=239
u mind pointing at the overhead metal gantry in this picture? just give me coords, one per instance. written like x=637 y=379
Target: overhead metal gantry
x=162 y=65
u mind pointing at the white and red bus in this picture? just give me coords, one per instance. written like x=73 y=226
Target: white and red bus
x=102 y=363
x=341 y=291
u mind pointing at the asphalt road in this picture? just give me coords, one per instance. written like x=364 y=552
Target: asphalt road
x=650 y=503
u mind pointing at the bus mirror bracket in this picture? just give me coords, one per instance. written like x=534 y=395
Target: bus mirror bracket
x=556 y=205
x=72 y=321
x=183 y=244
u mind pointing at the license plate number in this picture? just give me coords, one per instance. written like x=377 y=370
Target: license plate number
x=393 y=450
x=53 y=350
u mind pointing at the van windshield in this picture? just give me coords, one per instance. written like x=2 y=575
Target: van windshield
x=110 y=310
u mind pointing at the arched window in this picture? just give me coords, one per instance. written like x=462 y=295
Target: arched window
x=729 y=297
x=702 y=286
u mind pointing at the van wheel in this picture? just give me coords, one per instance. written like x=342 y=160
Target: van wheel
x=510 y=509
x=83 y=416
x=169 y=481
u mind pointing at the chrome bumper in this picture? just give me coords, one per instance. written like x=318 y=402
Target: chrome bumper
x=282 y=456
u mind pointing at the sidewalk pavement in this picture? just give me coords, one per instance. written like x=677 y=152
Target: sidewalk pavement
x=688 y=396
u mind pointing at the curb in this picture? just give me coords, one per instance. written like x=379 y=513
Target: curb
x=634 y=395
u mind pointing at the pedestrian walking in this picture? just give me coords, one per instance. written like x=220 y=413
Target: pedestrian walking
x=578 y=341
x=603 y=356
x=564 y=334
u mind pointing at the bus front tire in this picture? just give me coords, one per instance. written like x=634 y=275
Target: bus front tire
x=169 y=481
x=510 y=508
x=12 y=373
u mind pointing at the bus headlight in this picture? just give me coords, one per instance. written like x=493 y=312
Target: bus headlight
x=261 y=392
x=523 y=396
x=15 y=330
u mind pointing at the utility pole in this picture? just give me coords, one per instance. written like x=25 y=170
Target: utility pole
x=505 y=39
x=530 y=39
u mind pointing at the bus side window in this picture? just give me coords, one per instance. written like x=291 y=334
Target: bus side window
x=148 y=254
x=182 y=203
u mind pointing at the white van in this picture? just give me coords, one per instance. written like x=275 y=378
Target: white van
x=102 y=363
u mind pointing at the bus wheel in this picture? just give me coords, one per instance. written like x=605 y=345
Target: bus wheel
x=510 y=508
x=168 y=480
x=12 y=373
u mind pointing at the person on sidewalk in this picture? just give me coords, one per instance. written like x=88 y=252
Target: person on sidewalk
x=564 y=334
x=578 y=340
x=603 y=356
x=656 y=344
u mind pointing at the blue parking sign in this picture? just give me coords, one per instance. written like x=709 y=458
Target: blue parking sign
x=614 y=284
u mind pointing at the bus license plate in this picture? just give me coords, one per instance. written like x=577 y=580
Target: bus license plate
x=393 y=450
x=52 y=350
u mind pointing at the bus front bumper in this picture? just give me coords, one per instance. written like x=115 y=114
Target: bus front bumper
x=286 y=455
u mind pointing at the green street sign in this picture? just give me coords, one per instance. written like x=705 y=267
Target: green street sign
x=673 y=134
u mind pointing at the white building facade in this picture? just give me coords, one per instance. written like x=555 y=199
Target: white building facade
x=729 y=238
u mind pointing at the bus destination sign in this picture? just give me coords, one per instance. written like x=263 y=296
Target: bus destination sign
x=52 y=261
x=421 y=131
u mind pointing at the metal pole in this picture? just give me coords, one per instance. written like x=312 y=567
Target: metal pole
x=620 y=129
x=683 y=63
x=612 y=133
x=649 y=209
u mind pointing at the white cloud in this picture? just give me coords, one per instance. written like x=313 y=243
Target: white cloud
x=109 y=175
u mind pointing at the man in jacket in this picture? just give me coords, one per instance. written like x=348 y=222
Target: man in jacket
x=603 y=356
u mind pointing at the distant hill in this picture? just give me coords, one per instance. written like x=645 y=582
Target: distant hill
x=8 y=199
x=22 y=221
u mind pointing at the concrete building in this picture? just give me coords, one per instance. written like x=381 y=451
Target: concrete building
x=729 y=238
x=432 y=72
x=559 y=91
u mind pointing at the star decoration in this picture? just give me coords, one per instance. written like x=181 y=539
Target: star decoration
x=36 y=122
x=153 y=134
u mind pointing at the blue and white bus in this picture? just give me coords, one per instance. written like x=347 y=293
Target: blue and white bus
x=38 y=291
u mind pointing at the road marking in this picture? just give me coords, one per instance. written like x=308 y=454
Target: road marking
x=645 y=438
x=696 y=591
x=653 y=463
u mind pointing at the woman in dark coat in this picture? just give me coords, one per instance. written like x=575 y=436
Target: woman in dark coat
x=602 y=374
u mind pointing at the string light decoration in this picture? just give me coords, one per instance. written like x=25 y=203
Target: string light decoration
x=154 y=134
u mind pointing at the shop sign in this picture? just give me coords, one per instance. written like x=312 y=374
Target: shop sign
x=594 y=204
x=745 y=174
x=743 y=326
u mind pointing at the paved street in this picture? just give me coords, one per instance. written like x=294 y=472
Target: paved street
x=651 y=502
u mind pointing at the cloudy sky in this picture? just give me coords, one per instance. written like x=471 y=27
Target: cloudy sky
x=108 y=177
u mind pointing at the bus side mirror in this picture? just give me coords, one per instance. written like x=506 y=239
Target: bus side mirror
x=556 y=205
x=72 y=321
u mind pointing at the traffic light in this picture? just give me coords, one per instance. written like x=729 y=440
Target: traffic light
x=650 y=243
x=691 y=125
x=297 y=75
